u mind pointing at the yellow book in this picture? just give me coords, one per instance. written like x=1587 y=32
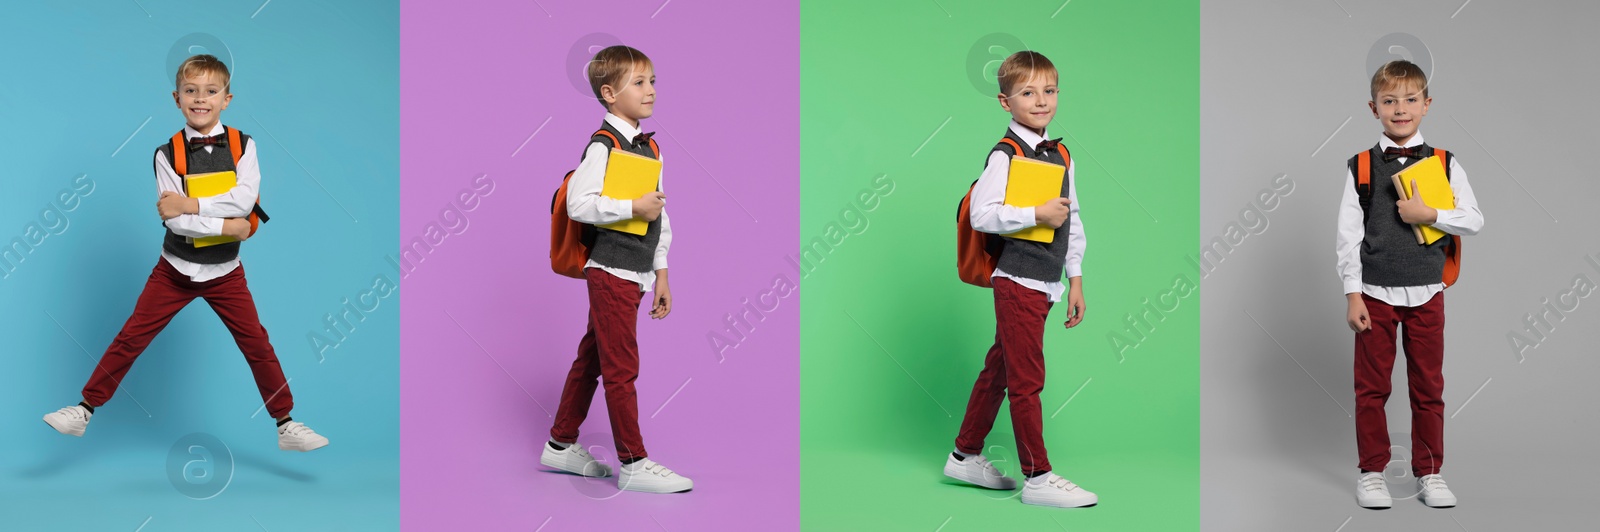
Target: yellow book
x=1030 y=184
x=207 y=185
x=1435 y=190
x=630 y=176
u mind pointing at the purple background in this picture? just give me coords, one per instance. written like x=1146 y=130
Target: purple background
x=488 y=331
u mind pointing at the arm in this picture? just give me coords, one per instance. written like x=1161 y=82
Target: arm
x=990 y=214
x=1347 y=244
x=190 y=225
x=662 y=306
x=1348 y=247
x=1075 y=238
x=584 y=202
x=1075 y=245
x=238 y=201
x=1465 y=219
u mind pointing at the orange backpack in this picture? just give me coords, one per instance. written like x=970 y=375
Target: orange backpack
x=977 y=252
x=180 y=165
x=570 y=239
x=1452 y=249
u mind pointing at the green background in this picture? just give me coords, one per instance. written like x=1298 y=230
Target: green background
x=892 y=341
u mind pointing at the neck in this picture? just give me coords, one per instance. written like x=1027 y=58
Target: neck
x=630 y=120
x=1399 y=141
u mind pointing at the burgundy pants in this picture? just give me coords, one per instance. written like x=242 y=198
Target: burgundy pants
x=1422 y=334
x=609 y=351
x=1014 y=369
x=166 y=292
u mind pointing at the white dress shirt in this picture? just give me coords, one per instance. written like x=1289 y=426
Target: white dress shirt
x=236 y=203
x=990 y=214
x=586 y=205
x=1463 y=220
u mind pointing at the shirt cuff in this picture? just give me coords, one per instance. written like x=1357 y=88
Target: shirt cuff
x=1352 y=286
x=660 y=264
x=1074 y=270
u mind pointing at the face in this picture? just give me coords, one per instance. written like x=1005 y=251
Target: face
x=1400 y=107
x=1033 y=103
x=635 y=100
x=202 y=98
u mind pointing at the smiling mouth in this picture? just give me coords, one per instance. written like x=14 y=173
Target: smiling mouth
x=199 y=111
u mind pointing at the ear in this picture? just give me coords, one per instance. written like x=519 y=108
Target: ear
x=1374 y=107
x=1426 y=103
x=1005 y=103
x=176 y=101
x=608 y=94
x=226 y=99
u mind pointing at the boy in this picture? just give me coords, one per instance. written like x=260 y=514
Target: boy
x=1391 y=281
x=185 y=272
x=1027 y=281
x=620 y=269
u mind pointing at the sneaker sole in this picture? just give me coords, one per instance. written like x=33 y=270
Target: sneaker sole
x=1376 y=505
x=551 y=463
x=955 y=473
x=77 y=433
x=646 y=489
x=1440 y=504
x=1063 y=504
x=304 y=449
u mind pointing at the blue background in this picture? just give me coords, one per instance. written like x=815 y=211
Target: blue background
x=316 y=85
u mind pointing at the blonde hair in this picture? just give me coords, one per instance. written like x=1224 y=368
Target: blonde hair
x=612 y=66
x=1397 y=72
x=1023 y=66
x=204 y=64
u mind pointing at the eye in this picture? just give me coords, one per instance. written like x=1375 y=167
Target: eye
x=1050 y=91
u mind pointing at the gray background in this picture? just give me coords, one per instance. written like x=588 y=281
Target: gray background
x=1512 y=85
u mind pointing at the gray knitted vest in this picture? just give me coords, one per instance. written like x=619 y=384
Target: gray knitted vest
x=218 y=159
x=616 y=249
x=1390 y=254
x=1026 y=258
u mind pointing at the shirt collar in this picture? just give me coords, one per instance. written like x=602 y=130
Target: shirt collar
x=1027 y=135
x=189 y=132
x=628 y=132
x=1385 y=142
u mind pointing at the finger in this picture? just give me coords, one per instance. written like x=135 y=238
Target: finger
x=1413 y=188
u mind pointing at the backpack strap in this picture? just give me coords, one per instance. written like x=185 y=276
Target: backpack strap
x=180 y=154
x=235 y=144
x=608 y=135
x=1444 y=158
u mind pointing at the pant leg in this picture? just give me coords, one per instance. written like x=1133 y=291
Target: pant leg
x=1023 y=314
x=165 y=293
x=1422 y=334
x=1374 y=362
x=229 y=296
x=984 y=403
x=616 y=317
x=578 y=392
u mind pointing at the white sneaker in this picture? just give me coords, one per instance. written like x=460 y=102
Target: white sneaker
x=1372 y=491
x=294 y=436
x=650 y=477
x=977 y=470
x=574 y=460
x=1050 y=489
x=1434 y=493
x=71 y=420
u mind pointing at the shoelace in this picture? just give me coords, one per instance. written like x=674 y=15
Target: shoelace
x=74 y=412
x=1372 y=483
x=1433 y=483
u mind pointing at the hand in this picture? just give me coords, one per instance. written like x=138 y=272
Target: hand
x=1075 y=305
x=648 y=208
x=661 y=305
x=1356 y=317
x=1052 y=213
x=238 y=228
x=172 y=204
x=1414 y=211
